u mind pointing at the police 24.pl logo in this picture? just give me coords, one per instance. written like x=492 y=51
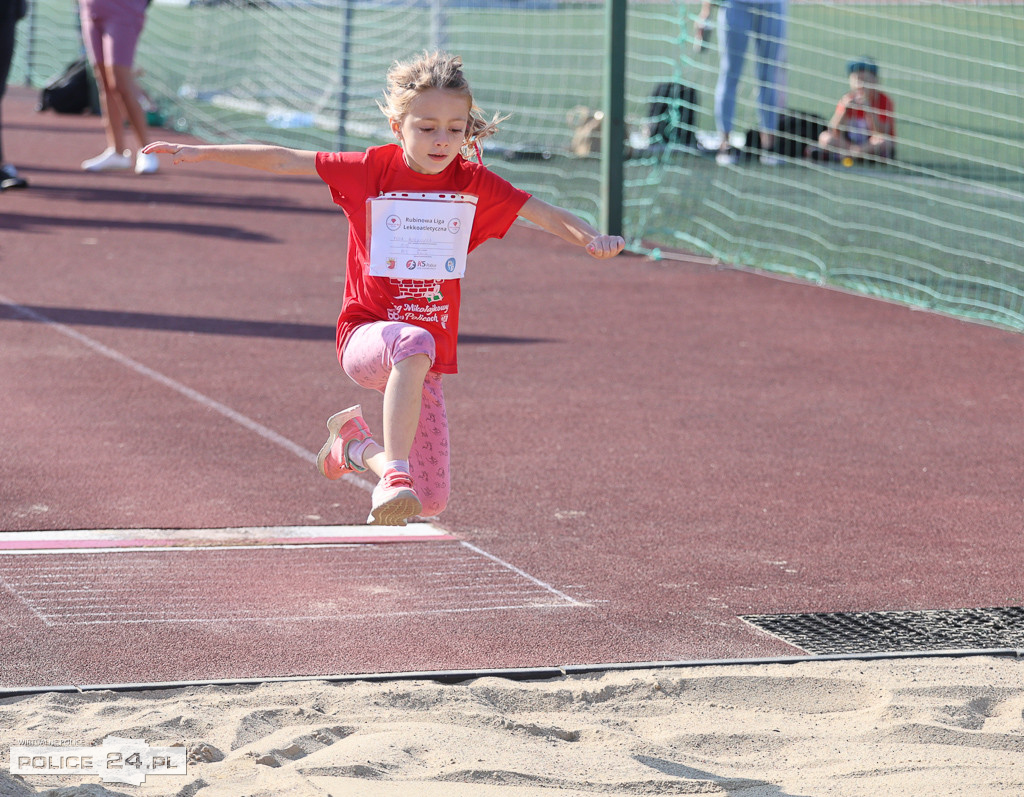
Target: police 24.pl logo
x=116 y=760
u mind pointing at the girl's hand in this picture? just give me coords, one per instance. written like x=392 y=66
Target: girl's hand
x=851 y=99
x=182 y=153
x=605 y=246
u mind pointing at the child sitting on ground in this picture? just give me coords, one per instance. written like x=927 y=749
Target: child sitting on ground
x=862 y=125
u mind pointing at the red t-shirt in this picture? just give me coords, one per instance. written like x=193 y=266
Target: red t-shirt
x=857 y=119
x=355 y=177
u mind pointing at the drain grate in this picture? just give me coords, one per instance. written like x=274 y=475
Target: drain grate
x=897 y=632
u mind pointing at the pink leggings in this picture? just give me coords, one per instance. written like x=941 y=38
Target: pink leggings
x=369 y=355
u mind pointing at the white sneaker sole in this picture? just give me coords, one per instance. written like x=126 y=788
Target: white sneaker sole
x=396 y=510
x=334 y=424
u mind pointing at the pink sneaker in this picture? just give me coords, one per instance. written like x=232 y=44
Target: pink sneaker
x=394 y=500
x=345 y=427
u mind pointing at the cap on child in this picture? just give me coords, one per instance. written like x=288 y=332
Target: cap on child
x=862 y=64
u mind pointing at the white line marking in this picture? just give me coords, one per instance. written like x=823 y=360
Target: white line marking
x=15 y=543
x=264 y=432
x=412 y=530
x=522 y=573
x=205 y=401
x=319 y=617
x=29 y=606
x=185 y=548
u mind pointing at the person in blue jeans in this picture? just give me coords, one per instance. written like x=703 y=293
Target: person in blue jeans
x=738 y=22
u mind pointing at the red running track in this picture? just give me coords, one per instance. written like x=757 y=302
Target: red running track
x=643 y=451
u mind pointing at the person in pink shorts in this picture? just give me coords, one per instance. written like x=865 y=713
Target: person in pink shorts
x=398 y=327
x=111 y=30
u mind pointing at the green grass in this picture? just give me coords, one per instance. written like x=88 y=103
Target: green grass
x=939 y=229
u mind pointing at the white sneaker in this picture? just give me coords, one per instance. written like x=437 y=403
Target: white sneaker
x=109 y=159
x=394 y=500
x=768 y=159
x=726 y=158
x=146 y=163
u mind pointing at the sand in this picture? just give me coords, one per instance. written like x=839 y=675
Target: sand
x=933 y=726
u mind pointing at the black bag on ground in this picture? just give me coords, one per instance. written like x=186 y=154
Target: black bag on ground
x=670 y=115
x=797 y=130
x=72 y=91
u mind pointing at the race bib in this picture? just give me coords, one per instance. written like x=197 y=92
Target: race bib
x=419 y=236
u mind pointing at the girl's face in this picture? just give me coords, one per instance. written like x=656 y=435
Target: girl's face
x=862 y=79
x=433 y=130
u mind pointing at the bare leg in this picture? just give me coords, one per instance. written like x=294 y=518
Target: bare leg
x=835 y=143
x=110 y=103
x=403 y=397
x=127 y=93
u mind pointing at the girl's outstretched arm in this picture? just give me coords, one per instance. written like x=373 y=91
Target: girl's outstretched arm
x=256 y=156
x=570 y=227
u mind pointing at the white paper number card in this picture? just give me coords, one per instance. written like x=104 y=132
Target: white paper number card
x=420 y=236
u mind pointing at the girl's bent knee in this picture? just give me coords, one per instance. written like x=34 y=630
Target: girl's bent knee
x=433 y=507
x=419 y=364
x=434 y=499
x=409 y=342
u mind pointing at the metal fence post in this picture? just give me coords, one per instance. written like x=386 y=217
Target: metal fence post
x=613 y=136
x=343 y=76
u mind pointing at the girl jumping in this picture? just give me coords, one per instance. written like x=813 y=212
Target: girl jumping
x=397 y=335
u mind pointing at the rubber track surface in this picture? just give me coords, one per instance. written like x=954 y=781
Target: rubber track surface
x=643 y=451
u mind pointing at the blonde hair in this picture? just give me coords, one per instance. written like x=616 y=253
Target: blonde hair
x=436 y=70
